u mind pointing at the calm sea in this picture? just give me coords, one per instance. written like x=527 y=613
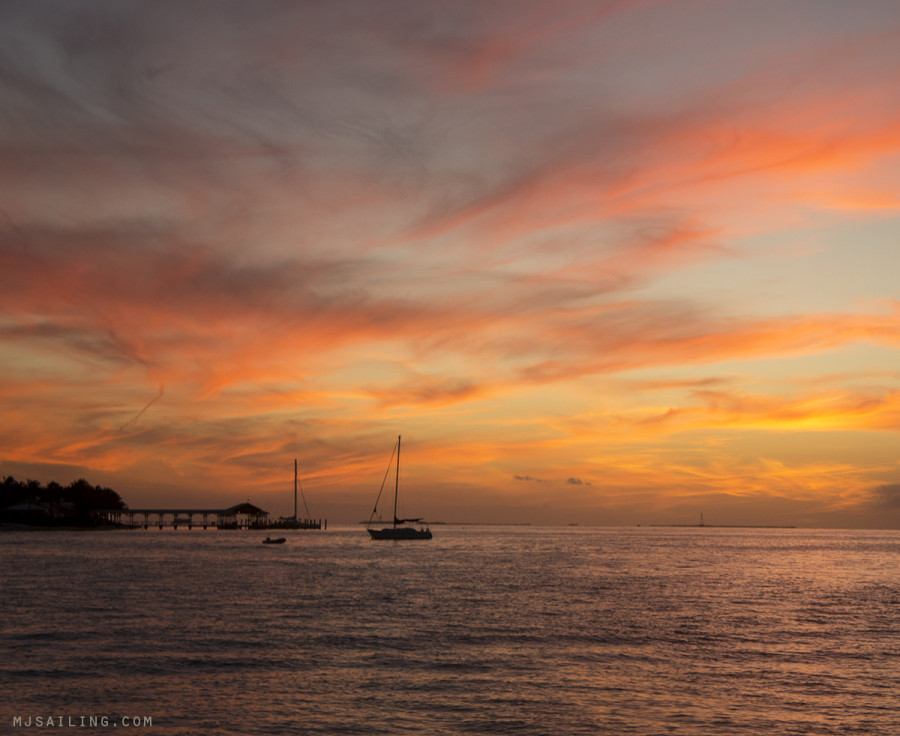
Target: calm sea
x=482 y=630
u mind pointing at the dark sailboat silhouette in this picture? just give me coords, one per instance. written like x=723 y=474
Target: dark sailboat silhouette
x=295 y=522
x=400 y=528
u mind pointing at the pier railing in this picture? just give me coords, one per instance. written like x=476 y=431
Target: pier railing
x=249 y=518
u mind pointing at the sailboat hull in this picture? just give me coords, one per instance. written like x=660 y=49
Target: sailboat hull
x=400 y=532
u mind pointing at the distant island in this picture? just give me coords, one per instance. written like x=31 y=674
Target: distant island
x=723 y=526
x=30 y=504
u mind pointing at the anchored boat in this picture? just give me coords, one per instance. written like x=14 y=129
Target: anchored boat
x=400 y=528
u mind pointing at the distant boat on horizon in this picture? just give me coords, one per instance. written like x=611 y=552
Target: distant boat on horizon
x=400 y=528
x=269 y=540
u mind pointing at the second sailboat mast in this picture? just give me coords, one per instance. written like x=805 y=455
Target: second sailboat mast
x=397 y=480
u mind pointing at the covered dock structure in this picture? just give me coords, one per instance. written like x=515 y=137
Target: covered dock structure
x=241 y=516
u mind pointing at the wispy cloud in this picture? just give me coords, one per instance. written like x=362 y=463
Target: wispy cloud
x=549 y=231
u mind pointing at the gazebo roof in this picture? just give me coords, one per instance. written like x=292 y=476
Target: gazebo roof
x=245 y=508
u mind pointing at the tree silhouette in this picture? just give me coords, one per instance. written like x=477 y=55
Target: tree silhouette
x=71 y=504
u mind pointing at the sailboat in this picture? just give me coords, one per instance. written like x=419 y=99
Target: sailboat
x=295 y=522
x=400 y=529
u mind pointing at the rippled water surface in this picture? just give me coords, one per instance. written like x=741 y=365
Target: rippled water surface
x=481 y=630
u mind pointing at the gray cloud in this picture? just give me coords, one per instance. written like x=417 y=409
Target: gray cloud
x=888 y=496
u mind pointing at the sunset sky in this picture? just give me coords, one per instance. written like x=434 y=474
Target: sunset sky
x=598 y=262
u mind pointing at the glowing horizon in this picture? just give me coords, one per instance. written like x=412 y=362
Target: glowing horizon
x=604 y=264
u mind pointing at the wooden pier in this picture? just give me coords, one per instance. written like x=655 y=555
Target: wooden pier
x=242 y=516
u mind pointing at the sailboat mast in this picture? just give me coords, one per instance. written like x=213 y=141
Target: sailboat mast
x=295 y=489
x=397 y=480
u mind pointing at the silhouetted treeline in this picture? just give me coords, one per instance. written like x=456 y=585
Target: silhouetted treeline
x=53 y=504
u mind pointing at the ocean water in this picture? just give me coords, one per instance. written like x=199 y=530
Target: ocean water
x=482 y=630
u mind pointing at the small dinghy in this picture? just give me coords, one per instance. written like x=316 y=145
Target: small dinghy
x=269 y=540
